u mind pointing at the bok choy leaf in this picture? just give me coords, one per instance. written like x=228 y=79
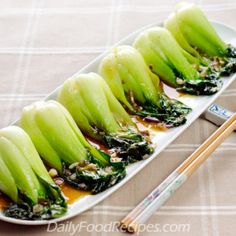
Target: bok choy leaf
x=62 y=145
x=175 y=66
x=138 y=89
x=25 y=179
x=99 y=114
x=196 y=35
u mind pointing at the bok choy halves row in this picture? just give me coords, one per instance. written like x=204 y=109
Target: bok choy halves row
x=98 y=109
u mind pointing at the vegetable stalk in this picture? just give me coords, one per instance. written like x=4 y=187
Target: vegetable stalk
x=99 y=114
x=175 y=66
x=24 y=178
x=196 y=35
x=138 y=89
x=62 y=146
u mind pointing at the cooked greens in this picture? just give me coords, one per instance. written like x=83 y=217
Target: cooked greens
x=62 y=145
x=175 y=66
x=137 y=88
x=99 y=114
x=24 y=178
x=196 y=35
x=187 y=54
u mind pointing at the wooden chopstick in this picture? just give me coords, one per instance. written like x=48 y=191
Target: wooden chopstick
x=173 y=175
x=160 y=194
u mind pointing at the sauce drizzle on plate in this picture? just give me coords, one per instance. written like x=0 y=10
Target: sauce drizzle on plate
x=72 y=194
x=4 y=201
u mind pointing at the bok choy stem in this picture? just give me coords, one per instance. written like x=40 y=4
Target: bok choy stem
x=197 y=36
x=167 y=59
x=100 y=115
x=25 y=179
x=137 y=88
x=67 y=150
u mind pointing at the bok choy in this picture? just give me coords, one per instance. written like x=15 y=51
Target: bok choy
x=62 y=145
x=24 y=178
x=175 y=66
x=196 y=35
x=99 y=114
x=138 y=89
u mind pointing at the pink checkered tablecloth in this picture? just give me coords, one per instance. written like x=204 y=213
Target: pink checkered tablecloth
x=43 y=42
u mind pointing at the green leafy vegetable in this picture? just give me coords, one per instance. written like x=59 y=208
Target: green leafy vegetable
x=175 y=66
x=24 y=178
x=62 y=145
x=99 y=114
x=137 y=88
x=196 y=35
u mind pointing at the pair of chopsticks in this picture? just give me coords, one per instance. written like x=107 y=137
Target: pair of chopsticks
x=165 y=190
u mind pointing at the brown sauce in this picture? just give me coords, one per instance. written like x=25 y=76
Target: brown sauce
x=97 y=144
x=170 y=92
x=147 y=125
x=144 y=126
x=4 y=201
x=71 y=194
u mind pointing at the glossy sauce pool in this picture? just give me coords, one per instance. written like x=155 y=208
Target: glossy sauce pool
x=97 y=144
x=4 y=201
x=72 y=194
x=147 y=125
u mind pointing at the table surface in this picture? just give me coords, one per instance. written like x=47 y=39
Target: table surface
x=44 y=42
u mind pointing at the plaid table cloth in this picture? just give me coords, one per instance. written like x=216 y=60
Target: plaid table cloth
x=43 y=42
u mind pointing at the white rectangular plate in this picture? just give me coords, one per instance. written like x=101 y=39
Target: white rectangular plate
x=163 y=139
